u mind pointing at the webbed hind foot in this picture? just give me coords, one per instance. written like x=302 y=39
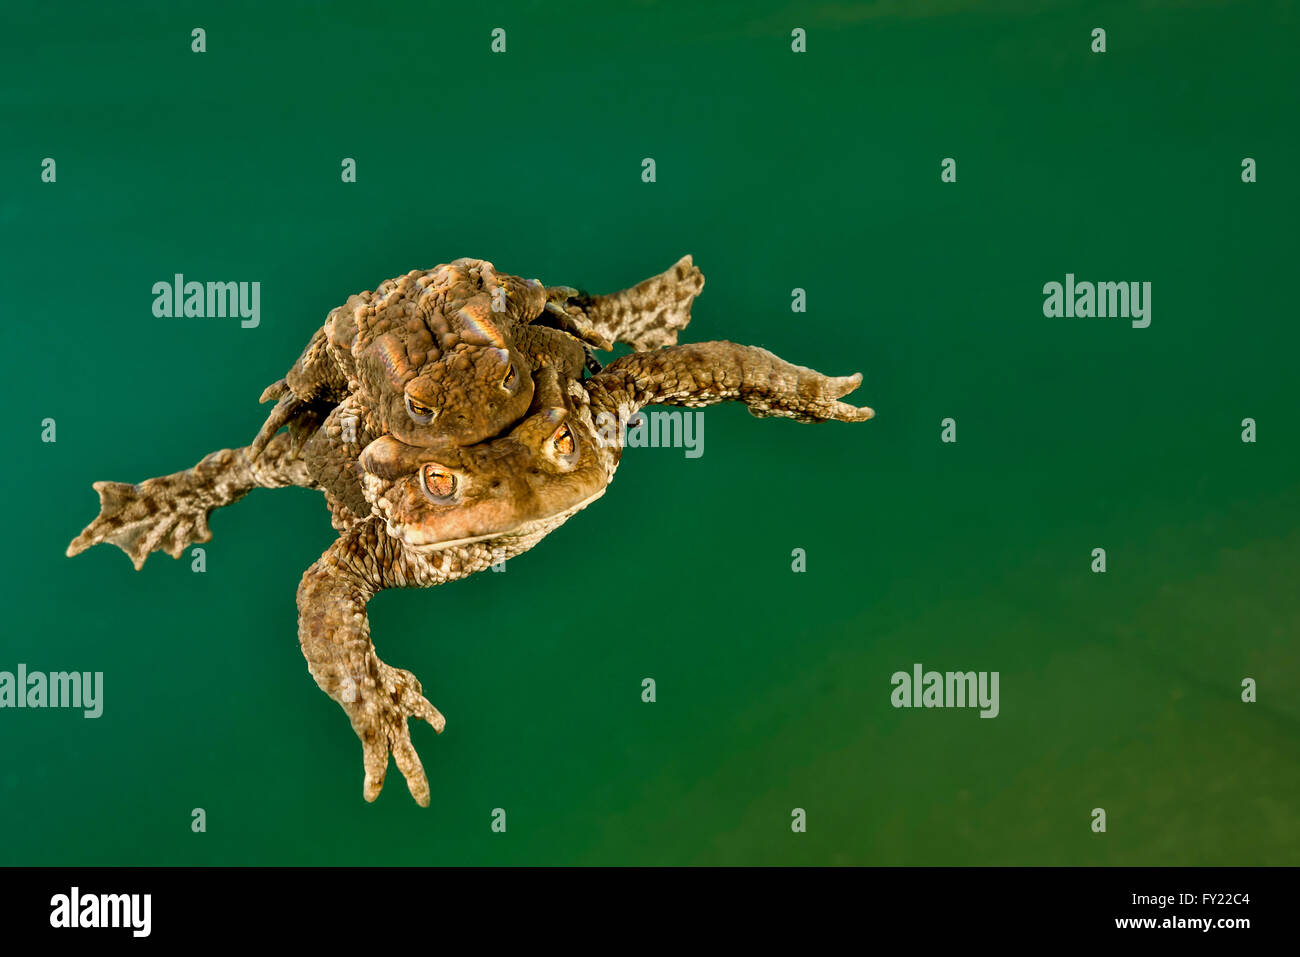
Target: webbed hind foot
x=379 y=709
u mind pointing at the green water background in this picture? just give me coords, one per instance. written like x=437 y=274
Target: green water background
x=777 y=171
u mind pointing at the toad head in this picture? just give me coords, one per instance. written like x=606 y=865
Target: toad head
x=545 y=469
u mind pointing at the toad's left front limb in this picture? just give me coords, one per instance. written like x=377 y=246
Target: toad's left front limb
x=170 y=513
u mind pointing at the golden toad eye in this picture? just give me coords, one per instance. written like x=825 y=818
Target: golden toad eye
x=509 y=380
x=439 y=484
x=563 y=441
x=420 y=412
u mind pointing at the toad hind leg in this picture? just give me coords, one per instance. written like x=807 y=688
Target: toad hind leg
x=171 y=512
x=646 y=316
x=334 y=632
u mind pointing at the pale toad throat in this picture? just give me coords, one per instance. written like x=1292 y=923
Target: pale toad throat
x=412 y=535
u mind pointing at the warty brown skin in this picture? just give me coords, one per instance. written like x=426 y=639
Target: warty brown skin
x=377 y=349
x=170 y=513
x=512 y=493
x=395 y=532
x=446 y=356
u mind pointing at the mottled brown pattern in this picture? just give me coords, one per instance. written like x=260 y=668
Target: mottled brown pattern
x=463 y=341
x=487 y=502
x=171 y=512
x=647 y=316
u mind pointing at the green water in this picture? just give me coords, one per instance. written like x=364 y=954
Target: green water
x=776 y=170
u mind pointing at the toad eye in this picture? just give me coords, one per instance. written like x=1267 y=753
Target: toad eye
x=563 y=442
x=438 y=484
x=509 y=380
x=418 y=411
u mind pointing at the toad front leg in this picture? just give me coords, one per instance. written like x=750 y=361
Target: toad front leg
x=334 y=632
x=705 y=373
x=171 y=512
